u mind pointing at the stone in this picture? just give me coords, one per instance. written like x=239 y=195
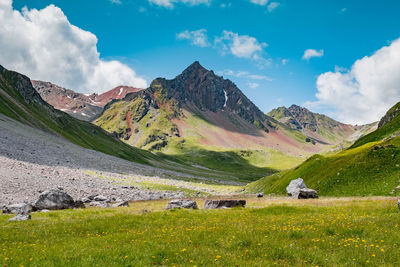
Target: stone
x=20 y=208
x=146 y=211
x=295 y=186
x=100 y=204
x=20 y=217
x=86 y=200
x=100 y=198
x=259 y=195
x=305 y=193
x=181 y=203
x=120 y=204
x=223 y=203
x=54 y=199
x=398 y=204
x=45 y=211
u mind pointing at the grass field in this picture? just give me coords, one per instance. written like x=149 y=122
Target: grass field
x=274 y=231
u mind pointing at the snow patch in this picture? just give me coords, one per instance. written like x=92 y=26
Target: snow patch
x=226 y=98
x=120 y=91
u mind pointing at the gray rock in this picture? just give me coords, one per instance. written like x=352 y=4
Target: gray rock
x=398 y=204
x=100 y=198
x=120 y=204
x=223 y=203
x=21 y=208
x=45 y=211
x=55 y=199
x=305 y=193
x=181 y=203
x=20 y=217
x=295 y=186
x=259 y=195
x=86 y=200
x=146 y=211
x=100 y=204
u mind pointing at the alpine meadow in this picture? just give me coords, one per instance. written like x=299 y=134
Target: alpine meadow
x=199 y=133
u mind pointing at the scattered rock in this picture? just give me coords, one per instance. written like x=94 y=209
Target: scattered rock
x=398 y=204
x=223 y=203
x=86 y=200
x=146 y=211
x=297 y=189
x=181 y=203
x=55 y=199
x=259 y=195
x=100 y=204
x=21 y=208
x=20 y=217
x=100 y=198
x=120 y=204
x=45 y=211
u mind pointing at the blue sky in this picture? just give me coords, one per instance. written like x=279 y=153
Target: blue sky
x=145 y=36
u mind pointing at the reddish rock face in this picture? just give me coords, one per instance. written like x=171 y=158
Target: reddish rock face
x=118 y=92
x=81 y=106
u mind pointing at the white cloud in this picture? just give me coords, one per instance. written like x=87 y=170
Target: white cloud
x=253 y=85
x=259 y=2
x=43 y=45
x=244 y=74
x=285 y=61
x=272 y=6
x=364 y=93
x=118 y=2
x=310 y=53
x=170 y=3
x=241 y=46
x=198 y=38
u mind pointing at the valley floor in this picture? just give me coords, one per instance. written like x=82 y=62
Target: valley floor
x=269 y=231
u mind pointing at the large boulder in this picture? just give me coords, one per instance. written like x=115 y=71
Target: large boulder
x=223 y=203
x=180 y=203
x=21 y=208
x=55 y=199
x=297 y=189
x=20 y=217
x=305 y=193
x=295 y=186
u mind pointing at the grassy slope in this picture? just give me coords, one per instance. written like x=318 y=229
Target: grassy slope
x=388 y=129
x=372 y=169
x=371 y=166
x=44 y=117
x=325 y=232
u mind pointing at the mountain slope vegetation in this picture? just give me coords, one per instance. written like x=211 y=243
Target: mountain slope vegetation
x=370 y=167
x=199 y=113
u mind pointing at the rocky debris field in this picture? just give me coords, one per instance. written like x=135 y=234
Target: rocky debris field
x=32 y=161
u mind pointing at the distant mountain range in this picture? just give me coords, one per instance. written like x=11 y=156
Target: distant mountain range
x=317 y=126
x=81 y=106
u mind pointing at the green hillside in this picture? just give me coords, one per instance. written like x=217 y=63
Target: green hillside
x=18 y=100
x=370 y=167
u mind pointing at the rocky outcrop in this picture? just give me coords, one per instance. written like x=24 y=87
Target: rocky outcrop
x=21 y=208
x=181 y=203
x=223 y=203
x=297 y=189
x=390 y=115
x=56 y=199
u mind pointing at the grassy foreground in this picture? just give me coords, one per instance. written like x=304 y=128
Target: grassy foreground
x=278 y=231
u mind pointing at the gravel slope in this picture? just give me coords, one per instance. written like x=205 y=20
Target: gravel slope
x=32 y=161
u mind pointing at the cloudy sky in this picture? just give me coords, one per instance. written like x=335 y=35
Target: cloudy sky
x=341 y=58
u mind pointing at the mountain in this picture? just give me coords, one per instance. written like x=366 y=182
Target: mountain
x=21 y=102
x=316 y=126
x=81 y=106
x=371 y=166
x=198 y=112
